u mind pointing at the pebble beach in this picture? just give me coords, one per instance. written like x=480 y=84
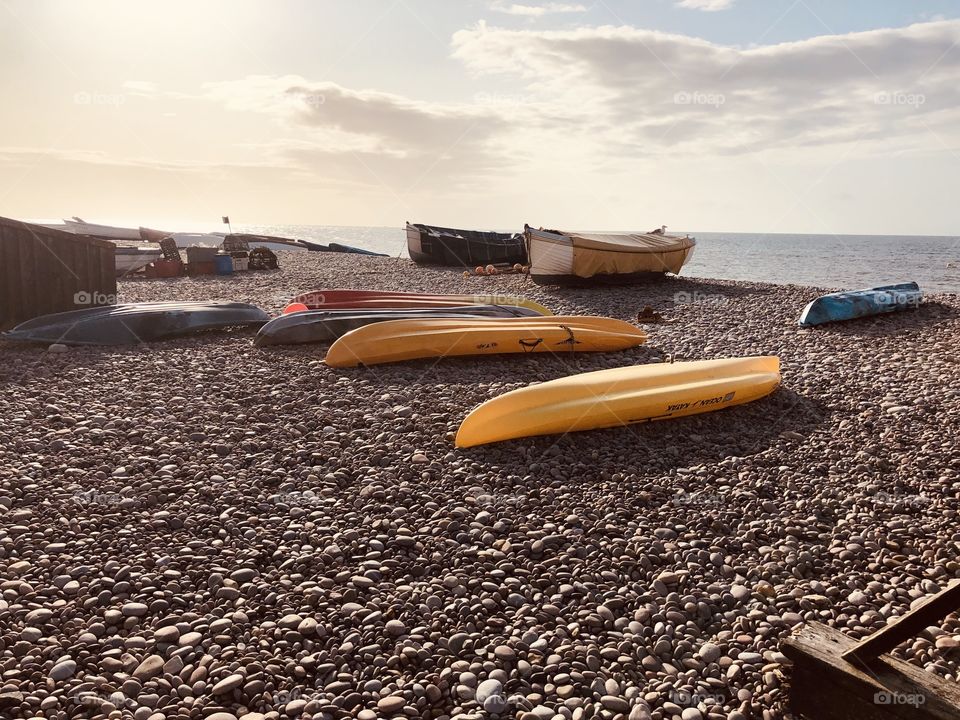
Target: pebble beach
x=198 y=528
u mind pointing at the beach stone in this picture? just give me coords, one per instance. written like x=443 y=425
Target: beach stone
x=134 y=609
x=151 y=666
x=615 y=704
x=229 y=683
x=709 y=652
x=390 y=704
x=63 y=669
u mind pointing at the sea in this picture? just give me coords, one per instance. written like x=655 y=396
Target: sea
x=826 y=261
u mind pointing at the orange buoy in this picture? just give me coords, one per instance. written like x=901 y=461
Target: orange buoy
x=294 y=308
x=491 y=270
x=478 y=269
x=518 y=267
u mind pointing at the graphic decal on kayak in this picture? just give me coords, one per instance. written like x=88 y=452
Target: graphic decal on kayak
x=571 y=340
x=680 y=407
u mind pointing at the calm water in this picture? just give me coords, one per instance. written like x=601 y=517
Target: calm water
x=831 y=261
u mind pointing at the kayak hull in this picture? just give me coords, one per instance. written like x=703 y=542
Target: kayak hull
x=854 y=304
x=135 y=323
x=312 y=326
x=370 y=299
x=622 y=396
x=400 y=340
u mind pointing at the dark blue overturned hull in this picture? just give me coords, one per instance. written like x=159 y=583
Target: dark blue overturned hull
x=312 y=326
x=135 y=323
x=854 y=304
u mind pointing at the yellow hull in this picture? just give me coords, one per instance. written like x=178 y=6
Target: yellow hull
x=399 y=340
x=622 y=396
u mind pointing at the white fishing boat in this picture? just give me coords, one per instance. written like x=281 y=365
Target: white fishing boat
x=79 y=226
x=130 y=259
x=558 y=257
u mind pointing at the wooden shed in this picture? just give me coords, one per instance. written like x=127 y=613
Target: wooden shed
x=46 y=271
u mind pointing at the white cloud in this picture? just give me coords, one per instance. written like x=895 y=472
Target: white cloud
x=706 y=5
x=642 y=93
x=549 y=8
x=371 y=134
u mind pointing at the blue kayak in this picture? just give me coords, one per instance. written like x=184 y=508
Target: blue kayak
x=853 y=304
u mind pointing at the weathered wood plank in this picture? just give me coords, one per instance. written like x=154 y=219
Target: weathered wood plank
x=930 y=612
x=823 y=686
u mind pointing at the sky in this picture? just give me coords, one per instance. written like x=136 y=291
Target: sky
x=808 y=116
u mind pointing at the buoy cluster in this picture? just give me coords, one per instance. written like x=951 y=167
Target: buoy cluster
x=517 y=269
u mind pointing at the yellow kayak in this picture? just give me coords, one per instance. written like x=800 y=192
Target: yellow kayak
x=398 y=340
x=622 y=396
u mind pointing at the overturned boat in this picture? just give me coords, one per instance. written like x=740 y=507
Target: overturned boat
x=561 y=257
x=135 y=323
x=401 y=340
x=79 y=226
x=312 y=326
x=430 y=244
x=621 y=396
x=853 y=304
x=131 y=259
x=338 y=299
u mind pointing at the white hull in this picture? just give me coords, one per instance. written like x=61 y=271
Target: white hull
x=79 y=227
x=128 y=260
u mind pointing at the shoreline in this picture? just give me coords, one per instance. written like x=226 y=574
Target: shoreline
x=329 y=553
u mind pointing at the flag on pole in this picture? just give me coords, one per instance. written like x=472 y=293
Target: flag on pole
x=226 y=219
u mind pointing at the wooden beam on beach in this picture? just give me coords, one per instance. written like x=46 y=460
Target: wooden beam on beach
x=930 y=612
x=825 y=686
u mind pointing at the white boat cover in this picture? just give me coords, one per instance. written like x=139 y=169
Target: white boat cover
x=585 y=255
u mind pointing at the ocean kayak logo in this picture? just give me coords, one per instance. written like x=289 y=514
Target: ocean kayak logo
x=94 y=298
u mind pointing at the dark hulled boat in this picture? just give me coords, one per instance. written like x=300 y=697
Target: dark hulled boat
x=429 y=244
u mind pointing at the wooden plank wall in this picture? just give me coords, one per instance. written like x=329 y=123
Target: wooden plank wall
x=45 y=271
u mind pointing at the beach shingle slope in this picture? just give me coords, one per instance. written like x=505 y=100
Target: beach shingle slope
x=202 y=529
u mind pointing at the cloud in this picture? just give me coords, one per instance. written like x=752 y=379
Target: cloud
x=661 y=93
x=706 y=5
x=379 y=136
x=549 y=8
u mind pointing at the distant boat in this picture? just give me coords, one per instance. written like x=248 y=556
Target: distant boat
x=340 y=248
x=79 y=226
x=854 y=304
x=131 y=259
x=433 y=245
x=558 y=258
